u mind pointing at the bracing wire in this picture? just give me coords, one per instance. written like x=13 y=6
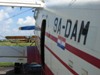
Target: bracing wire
x=18 y=14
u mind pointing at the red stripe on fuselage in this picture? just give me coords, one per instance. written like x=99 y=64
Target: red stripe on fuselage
x=47 y=70
x=71 y=70
x=87 y=57
x=51 y=37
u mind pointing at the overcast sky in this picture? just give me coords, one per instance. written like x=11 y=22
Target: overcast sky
x=13 y=18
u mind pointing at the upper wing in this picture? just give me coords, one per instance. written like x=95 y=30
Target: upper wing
x=22 y=3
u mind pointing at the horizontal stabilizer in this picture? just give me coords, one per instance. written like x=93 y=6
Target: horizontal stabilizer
x=21 y=3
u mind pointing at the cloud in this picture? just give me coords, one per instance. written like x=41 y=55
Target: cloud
x=18 y=32
x=3 y=15
x=10 y=27
x=28 y=21
x=5 y=23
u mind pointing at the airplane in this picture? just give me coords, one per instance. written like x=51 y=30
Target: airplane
x=20 y=39
x=68 y=34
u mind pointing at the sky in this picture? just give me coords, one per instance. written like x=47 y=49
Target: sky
x=13 y=18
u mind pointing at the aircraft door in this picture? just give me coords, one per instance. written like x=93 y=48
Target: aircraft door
x=42 y=42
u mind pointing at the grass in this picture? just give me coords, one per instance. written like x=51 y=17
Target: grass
x=6 y=64
x=16 y=44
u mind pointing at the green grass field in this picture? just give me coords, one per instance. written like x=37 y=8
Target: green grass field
x=16 y=44
x=6 y=64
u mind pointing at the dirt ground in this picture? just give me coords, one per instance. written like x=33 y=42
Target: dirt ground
x=10 y=71
x=4 y=70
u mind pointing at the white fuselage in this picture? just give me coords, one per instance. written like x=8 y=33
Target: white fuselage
x=72 y=45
